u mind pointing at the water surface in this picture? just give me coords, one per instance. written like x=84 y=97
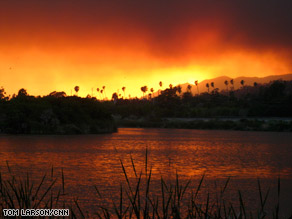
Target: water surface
x=90 y=160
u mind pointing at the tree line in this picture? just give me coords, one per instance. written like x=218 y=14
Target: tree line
x=59 y=113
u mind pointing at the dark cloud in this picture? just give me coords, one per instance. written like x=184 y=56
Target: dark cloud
x=167 y=26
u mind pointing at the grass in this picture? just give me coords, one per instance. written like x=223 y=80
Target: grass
x=180 y=200
x=136 y=198
x=22 y=193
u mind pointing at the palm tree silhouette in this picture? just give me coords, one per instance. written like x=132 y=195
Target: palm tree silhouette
x=160 y=84
x=189 y=88
x=124 y=88
x=101 y=91
x=207 y=85
x=170 y=86
x=152 y=90
x=212 y=84
x=103 y=88
x=242 y=83
x=144 y=89
x=226 y=83
x=197 y=84
x=255 y=84
x=232 y=83
x=76 y=88
x=97 y=89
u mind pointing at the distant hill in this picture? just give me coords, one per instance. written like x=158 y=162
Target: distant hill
x=219 y=82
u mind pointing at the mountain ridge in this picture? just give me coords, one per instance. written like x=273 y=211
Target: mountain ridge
x=219 y=82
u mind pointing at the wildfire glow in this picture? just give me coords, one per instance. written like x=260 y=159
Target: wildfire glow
x=55 y=46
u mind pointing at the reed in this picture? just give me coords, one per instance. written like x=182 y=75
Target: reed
x=172 y=202
x=18 y=192
x=137 y=199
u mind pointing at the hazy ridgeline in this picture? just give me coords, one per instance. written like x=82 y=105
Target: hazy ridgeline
x=61 y=114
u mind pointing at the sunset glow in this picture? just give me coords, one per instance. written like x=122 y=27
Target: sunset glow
x=56 y=45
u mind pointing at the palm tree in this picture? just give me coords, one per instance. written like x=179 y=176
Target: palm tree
x=124 y=88
x=212 y=84
x=144 y=89
x=226 y=83
x=197 y=84
x=189 y=88
x=160 y=84
x=170 y=86
x=255 y=84
x=101 y=91
x=103 y=87
x=207 y=85
x=242 y=83
x=232 y=83
x=76 y=88
x=152 y=90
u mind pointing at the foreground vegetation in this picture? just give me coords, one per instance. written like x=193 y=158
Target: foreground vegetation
x=138 y=199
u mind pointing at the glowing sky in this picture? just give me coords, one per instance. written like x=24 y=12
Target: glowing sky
x=57 y=44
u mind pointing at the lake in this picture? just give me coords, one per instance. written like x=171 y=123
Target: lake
x=89 y=160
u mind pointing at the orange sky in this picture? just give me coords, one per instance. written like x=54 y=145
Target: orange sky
x=55 y=45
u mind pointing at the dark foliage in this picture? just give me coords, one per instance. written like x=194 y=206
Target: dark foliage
x=53 y=114
x=57 y=113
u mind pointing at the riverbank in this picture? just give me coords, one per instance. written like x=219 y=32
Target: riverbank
x=234 y=123
x=54 y=115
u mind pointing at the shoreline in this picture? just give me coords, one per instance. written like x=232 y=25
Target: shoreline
x=228 y=123
x=274 y=124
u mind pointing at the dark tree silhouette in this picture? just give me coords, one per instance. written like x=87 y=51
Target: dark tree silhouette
x=76 y=88
x=242 y=83
x=255 y=84
x=232 y=83
x=160 y=84
x=22 y=93
x=226 y=83
x=101 y=92
x=189 y=88
x=144 y=89
x=115 y=96
x=197 y=84
x=152 y=90
x=208 y=87
x=170 y=86
x=103 y=88
x=123 y=89
x=3 y=94
x=212 y=84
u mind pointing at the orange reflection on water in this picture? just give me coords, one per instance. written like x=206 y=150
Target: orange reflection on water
x=90 y=160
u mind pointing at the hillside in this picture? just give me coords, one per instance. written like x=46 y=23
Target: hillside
x=219 y=82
